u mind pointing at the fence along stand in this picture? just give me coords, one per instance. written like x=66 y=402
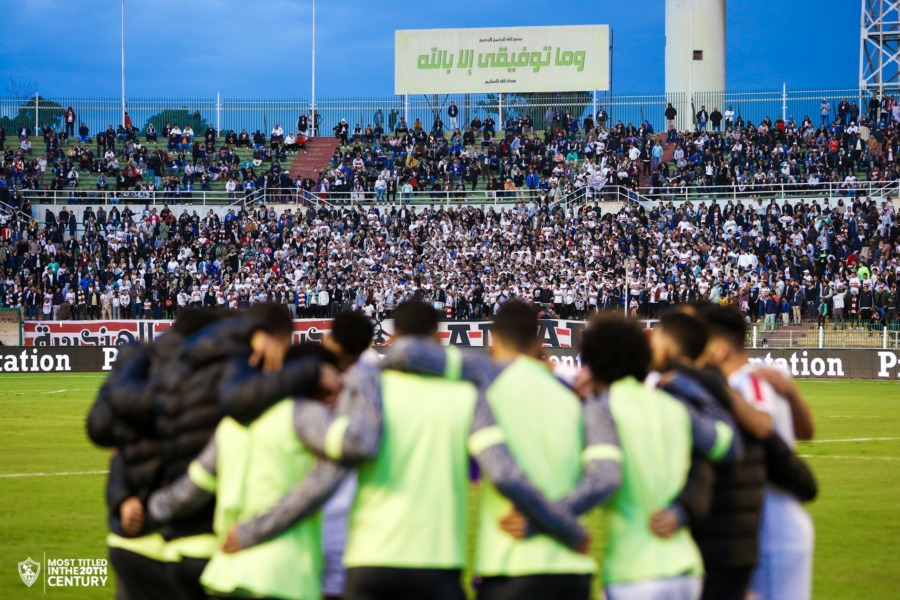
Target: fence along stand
x=755 y=336
x=821 y=337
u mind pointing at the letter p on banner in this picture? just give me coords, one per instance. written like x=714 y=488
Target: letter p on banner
x=886 y=361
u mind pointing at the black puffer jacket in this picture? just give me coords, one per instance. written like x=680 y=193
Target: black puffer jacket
x=123 y=417
x=728 y=534
x=207 y=379
x=117 y=491
x=162 y=403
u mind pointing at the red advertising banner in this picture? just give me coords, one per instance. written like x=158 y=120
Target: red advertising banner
x=119 y=333
x=468 y=334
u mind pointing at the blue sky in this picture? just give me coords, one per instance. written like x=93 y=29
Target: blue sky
x=260 y=48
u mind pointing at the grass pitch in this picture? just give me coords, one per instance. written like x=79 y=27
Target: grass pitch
x=52 y=484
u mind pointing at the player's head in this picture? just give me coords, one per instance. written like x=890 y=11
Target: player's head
x=275 y=318
x=414 y=318
x=351 y=335
x=727 y=332
x=191 y=320
x=677 y=336
x=613 y=347
x=515 y=330
x=308 y=349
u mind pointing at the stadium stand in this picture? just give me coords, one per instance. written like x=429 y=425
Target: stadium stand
x=783 y=263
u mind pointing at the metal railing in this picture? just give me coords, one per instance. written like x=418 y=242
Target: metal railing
x=251 y=114
x=303 y=197
x=428 y=197
x=155 y=198
x=769 y=191
x=834 y=334
x=609 y=193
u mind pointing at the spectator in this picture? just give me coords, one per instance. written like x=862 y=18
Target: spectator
x=715 y=117
x=702 y=118
x=453 y=113
x=825 y=111
x=69 y=118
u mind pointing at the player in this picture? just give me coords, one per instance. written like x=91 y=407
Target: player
x=196 y=376
x=541 y=421
x=249 y=470
x=407 y=528
x=786 y=530
x=123 y=417
x=350 y=340
x=657 y=435
x=721 y=502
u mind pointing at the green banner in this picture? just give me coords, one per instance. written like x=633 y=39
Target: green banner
x=508 y=59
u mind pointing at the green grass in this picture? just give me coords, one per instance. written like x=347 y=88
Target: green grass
x=856 y=518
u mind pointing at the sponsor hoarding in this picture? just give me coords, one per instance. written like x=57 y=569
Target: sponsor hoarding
x=571 y=58
x=57 y=359
x=833 y=363
x=119 y=333
x=802 y=363
x=812 y=364
x=471 y=334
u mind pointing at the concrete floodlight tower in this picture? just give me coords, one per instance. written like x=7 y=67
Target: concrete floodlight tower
x=695 y=53
x=879 y=47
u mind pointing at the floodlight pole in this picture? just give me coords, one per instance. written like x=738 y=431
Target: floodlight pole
x=313 y=102
x=123 y=63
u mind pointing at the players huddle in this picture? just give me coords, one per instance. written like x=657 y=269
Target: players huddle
x=228 y=442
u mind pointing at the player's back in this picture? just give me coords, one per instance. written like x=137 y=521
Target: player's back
x=654 y=432
x=410 y=508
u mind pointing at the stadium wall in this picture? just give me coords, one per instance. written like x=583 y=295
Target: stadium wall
x=556 y=333
x=811 y=364
x=808 y=364
x=92 y=346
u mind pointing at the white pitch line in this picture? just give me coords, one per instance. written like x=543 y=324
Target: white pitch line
x=18 y=392
x=66 y=474
x=891 y=458
x=60 y=375
x=853 y=417
x=872 y=439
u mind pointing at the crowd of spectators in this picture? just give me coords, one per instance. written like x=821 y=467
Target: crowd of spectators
x=171 y=163
x=567 y=158
x=721 y=153
x=776 y=262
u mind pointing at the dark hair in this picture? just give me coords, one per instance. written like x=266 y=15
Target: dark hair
x=274 y=318
x=516 y=324
x=307 y=349
x=614 y=347
x=415 y=317
x=688 y=332
x=724 y=322
x=353 y=332
x=192 y=319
